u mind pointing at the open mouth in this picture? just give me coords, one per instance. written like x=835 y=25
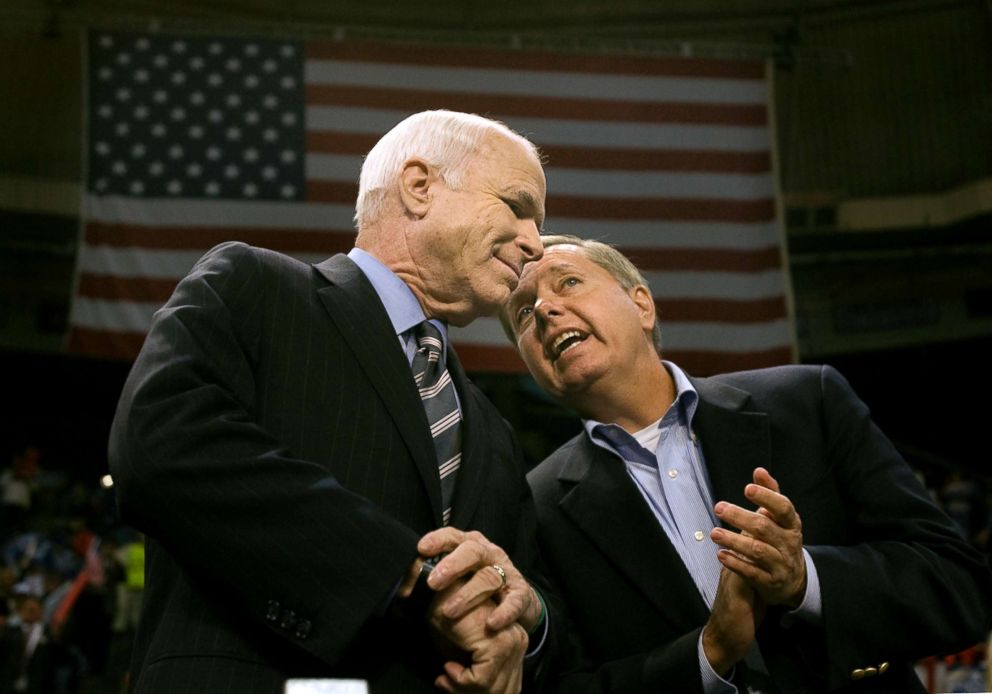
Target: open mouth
x=566 y=341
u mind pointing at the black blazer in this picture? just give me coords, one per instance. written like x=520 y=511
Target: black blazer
x=898 y=581
x=271 y=443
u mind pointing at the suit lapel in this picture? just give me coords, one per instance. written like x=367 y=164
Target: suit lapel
x=607 y=506
x=361 y=318
x=734 y=442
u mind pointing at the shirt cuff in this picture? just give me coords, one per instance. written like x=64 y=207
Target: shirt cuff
x=534 y=647
x=810 y=610
x=712 y=682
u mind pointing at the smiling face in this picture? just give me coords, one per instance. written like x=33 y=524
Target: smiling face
x=472 y=249
x=576 y=326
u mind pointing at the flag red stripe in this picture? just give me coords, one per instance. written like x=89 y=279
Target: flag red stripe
x=721 y=310
x=546 y=61
x=508 y=105
x=203 y=238
x=569 y=157
x=105 y=344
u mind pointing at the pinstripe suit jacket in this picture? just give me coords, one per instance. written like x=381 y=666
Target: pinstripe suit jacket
x=272 y=445
x=897 y=580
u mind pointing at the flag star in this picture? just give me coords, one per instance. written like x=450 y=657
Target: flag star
x=158 y=130
x=288 y=119
x=250 y=154
x=123 y=94
x=250 y=190
x=196 y=132
x=233 y=64
x=106 y=41
x=213 y=153
x=160 y=96
x=119 y=168
x=176 y=151
x=269 y=65
x=269 y=173
x=161 y=60
x=156 y=168
x=142 y=44
x=251 y=117
x=270 y=101
x=105 y=111
x=178 y=78
x=287 y=191
x=194 y=170
x=212 y=188
x=141 y=76
x=197 y=98
x=101 y=184
x=287 y=51
x=251 y=81
x=138 y=150
x=122 y=129
x=287 y=82
x=233 y=133
x=123 y=58
x=287 y=156
x=140 y=112
x=270 y=135
x=215 y=115
x=251 y=49
x=175 y=186
x=214 y=79
x=233 y=100
x=196 y=63
x=102 y=148
x=178 y=113
x=179 y=46
x=215 y=48
x=105 y=73
x=231 y=171
x=137 y=187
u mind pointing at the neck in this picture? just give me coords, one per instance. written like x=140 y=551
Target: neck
x=634 y=400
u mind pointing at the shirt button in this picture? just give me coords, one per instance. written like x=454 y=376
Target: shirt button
x=698 y=535
x=673 y=473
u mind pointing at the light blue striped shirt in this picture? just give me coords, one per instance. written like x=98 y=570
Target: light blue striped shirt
x=678 y=492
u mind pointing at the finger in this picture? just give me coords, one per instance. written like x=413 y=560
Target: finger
x=479 y=588
x=468 y=557
x=445 y=684
x=442 y=540
x=746 y=548
x=514 y=602
x=764 y=478
x=750 y=572
x=779 y=507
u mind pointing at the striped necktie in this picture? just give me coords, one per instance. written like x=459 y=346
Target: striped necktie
x=438 y=395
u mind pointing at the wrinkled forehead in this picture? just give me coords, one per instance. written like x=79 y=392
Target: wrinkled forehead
x=556 y=260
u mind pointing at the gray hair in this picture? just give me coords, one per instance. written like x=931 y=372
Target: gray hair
x=444 y=139
x=607 y=257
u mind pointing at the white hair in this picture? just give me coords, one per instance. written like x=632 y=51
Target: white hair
x=446 y=140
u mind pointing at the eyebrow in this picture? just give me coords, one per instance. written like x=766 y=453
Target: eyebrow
x=526 y=200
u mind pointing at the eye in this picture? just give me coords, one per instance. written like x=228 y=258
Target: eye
x=515 y=208
x=523 y=313
x=570 y=281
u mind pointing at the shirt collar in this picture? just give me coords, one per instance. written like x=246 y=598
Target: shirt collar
x=402 y=307
x=686 y=399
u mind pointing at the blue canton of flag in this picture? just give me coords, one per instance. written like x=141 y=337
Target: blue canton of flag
x=196 y=117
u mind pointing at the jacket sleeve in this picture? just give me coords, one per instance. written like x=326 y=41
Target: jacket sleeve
x=194 y=469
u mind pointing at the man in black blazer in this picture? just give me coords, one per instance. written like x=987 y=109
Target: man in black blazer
x=843 y=572
x=273 y=446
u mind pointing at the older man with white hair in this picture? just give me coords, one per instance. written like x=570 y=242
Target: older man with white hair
x=308 y=460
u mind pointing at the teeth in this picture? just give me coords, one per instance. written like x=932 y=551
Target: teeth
x=562 y=338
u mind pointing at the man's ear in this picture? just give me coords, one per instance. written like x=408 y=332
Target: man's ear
x=641 y=296
x=416 y=179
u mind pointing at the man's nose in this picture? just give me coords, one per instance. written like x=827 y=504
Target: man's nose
x=529 y=240
x=545 y=310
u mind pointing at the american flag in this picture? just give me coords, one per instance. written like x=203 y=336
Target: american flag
x=195 y=140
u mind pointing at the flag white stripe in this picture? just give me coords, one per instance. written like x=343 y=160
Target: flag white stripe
x=557 y=131
x=116 y=316
x=150 y=262
x=539 y=83
x=742 y=236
